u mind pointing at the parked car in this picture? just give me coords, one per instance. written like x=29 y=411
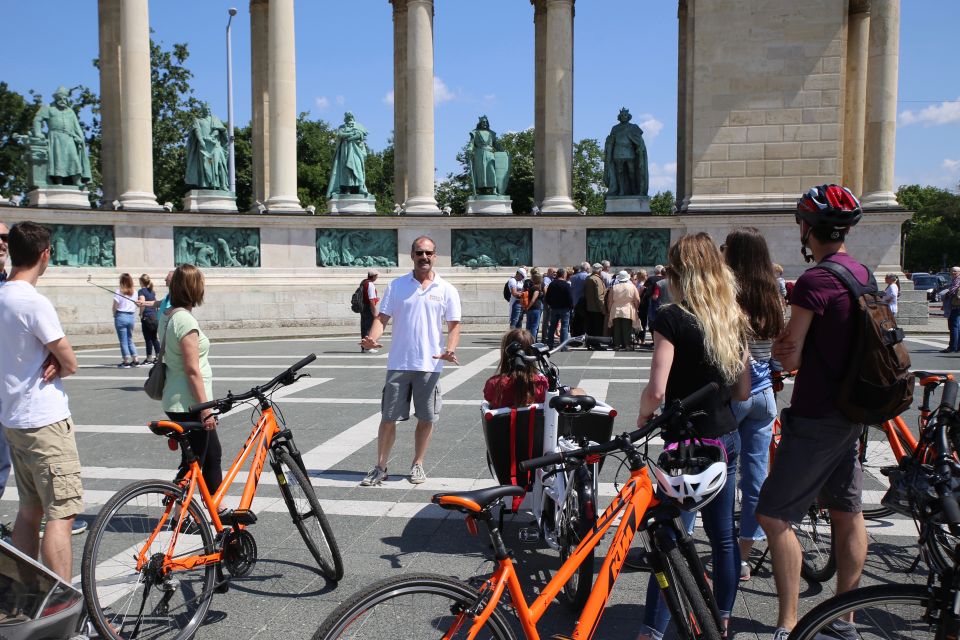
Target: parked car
x=932 y=285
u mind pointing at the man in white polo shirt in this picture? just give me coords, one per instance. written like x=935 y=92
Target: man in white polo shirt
x=419 y=303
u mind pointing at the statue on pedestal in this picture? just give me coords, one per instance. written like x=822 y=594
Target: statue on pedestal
x=207 y=166
x=348 y=175
x=489 y=163
x=58 y=157
x=625 y=171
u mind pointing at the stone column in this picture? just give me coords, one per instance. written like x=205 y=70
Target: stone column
x=419 y=134
x=108 y=15
x=558 y=109
x=881 y=130
x=282 y=87
x=399 y=101
x=259 y=121
x=855 y=106
x=136 y=115
x=539 y=75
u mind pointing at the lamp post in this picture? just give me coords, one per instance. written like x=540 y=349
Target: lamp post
x=232 y=167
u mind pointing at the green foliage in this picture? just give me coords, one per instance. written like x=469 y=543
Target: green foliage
x=588 y=187
x=316 y=144
x=519 y=145
x=933 y=235
x=16 y=118
x=456 y=188
x=243 y=163
x=663 y=203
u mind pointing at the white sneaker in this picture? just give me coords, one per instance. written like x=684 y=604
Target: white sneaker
x=781 y=634
x=374 y=478
x=417 y=474
x=373 y=350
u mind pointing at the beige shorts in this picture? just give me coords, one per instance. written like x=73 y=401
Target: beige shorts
x=47 y=468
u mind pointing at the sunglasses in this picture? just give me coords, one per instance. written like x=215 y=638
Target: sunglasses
x=4 y=236
x=421 y=252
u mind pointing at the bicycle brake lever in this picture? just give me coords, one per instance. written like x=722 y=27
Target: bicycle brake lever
x=301 y=375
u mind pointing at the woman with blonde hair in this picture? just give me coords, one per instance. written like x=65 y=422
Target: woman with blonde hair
x=124 y=309
x=697 y=340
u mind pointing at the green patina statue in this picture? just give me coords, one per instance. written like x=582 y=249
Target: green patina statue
x=58 y=157
x=476 y=248
x=625 y=170
x=356 y=247
x=489 y=164
x=207 y=145
x=216 y=247
x=73 y=245
x=348 y=175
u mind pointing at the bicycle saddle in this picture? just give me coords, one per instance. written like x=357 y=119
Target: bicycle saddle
x=573 y=405
x=169 y=429
x=926 y=377
x=475 y=501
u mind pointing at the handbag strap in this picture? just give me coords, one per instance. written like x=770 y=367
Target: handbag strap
x=163 y=342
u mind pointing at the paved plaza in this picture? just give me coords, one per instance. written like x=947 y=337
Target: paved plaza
x=334 y=415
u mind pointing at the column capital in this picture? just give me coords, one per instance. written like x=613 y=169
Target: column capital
x=398 y=5
x=859 y=6
x=262 y=3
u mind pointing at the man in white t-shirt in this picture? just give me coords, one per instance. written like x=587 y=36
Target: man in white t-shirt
x=418 y=303
x=515 y=284
x=34 y=411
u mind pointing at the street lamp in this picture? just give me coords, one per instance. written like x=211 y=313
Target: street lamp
x=232 y=166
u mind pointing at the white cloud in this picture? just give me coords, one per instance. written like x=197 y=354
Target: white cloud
x=944 y=113
x=322 y=102
x=340 y=100
x=953 y=166
x=441 y=92
x=387 y=99
x=663 y=176
x=650 y=125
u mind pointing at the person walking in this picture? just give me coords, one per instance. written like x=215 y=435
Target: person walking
x=419 y=303
x=148 y=318
x=124 y=308
x=578 y=320
x=759 y=297
x=951 y=309
x=622 y=301
x=369 y=309
x=559 y=299
x=515 y=286
x=534 y=289
x=35 y=356
x=594 y=295
x=818 y=450
x=699 y=340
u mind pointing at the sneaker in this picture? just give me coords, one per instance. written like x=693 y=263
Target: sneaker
x=123 y=365
x=79 y=526
x=373 y=350
x=781 y=634
x=6 y=532
x=375 y=477
x=840 y=629
x=135 y=364
x=417 y=474
x=744 y=571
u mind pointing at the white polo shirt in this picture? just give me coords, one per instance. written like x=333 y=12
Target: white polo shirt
x=29 y=322
x=418 y=316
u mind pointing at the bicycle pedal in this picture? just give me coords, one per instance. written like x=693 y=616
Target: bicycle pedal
x=238 y=516
x=529 y=534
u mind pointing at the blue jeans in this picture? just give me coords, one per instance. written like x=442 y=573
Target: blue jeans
x=561 y=317
x=516 y=315
x=755 y=417
x=124 y=323
x=5 y=463
x=533 y=321
x=718 y=523
x=953 y=323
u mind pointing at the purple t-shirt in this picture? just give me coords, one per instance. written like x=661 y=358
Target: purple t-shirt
x=826 y=349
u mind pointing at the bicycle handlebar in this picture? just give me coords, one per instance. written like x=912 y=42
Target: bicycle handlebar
x=677 y=408
x=284 y=378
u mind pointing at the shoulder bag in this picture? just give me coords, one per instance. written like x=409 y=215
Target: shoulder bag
x=157 y=377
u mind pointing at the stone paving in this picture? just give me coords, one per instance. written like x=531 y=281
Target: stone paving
x=382 y=531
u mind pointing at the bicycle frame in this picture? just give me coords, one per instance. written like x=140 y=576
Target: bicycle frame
x=633 y=500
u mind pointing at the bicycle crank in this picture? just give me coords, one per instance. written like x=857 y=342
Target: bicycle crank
x=239 y=552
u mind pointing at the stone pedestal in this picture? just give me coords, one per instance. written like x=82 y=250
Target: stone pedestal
x=626 y=205
x=489 y=206
x=210 y=201
x=352 y=204
x=62 y=197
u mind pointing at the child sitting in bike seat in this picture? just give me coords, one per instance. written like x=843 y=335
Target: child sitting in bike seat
x=516 y=383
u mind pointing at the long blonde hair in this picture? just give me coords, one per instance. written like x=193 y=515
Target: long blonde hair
x=706 y=288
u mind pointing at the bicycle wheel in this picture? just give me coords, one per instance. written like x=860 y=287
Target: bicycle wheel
x=690 y=614
x=411 y=606
x=307 y=515
x=124 y=602
x=577 y=524
x=879 y=612
x=815 y=534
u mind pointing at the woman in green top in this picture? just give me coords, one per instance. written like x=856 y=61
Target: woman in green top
x=189 y=377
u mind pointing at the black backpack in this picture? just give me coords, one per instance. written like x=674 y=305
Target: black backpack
x=877 y=385
x=356 y=300
x=506 y=291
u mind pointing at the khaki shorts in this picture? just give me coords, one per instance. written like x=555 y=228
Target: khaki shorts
x=47 y=468
x=422 y=387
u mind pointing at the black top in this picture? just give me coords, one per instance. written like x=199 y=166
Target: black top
x=559 y=295
x=529 y=287
x=149 y=296
x=691 y=371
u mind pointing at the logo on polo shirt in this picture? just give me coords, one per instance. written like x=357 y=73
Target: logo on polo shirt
x=435 y=297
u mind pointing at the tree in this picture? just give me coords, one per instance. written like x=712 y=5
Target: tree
x=519 y=144
x=16 y=118
x=316 y=144
x=662 y=203
x=588 y=186
x=243 y=163
x=933 y=235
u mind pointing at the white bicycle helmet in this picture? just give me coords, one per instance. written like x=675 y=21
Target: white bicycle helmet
x=692 y=472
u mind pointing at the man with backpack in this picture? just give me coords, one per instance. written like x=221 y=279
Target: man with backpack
x=368 y=305
x=513 y=293
x=826 y=339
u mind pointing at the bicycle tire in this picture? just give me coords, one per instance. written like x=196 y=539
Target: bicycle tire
x=576 y=526
x=374 y=612
x=880 y=612
x=108 y=567
x=318 y=537
x=815 y=535
x=689 y=613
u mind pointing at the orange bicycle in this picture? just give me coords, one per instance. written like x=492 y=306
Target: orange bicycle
x=153 y=561
x=435 y=606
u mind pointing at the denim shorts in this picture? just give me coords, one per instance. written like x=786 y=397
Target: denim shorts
x=423 y=387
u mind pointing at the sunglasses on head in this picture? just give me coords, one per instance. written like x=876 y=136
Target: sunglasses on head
x=423 y=252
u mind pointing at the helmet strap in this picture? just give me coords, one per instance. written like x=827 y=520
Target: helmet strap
x=807 y=257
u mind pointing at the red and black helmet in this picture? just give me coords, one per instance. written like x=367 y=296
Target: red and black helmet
x=829 y=206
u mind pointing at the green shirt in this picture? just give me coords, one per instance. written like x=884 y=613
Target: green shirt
x=177 y=397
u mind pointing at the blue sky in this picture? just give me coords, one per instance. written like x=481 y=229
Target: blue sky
x=625 y=55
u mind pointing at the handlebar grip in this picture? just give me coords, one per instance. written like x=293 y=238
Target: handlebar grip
x=949 y=398
x=950 y=509
x=197 y=408
x=542 y=461
x=300 y=365
x=698 y=397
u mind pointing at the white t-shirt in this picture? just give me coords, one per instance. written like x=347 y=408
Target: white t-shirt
x=124 y=304
x=371 y=290
x=890 y=296
x=418 y=316
x=515 y=285
x=29 y=322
